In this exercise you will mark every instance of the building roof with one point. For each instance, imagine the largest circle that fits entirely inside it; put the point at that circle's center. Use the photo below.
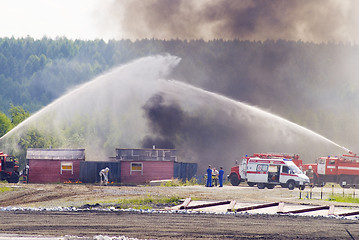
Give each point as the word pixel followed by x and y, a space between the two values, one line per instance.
pixel 145 154
pixel 55 154
pixel 165 149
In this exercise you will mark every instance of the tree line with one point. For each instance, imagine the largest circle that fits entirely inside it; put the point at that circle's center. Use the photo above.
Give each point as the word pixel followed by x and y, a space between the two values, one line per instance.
pixel 17 115
pixel 311 84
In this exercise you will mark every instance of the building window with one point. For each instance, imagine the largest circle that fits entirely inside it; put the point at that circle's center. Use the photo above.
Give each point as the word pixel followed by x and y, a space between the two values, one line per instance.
pixel 262 168
pixel 136 167
pixel 66 167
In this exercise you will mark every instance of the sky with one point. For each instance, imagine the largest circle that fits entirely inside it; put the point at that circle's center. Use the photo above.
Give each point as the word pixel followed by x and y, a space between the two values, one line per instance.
pixel 305 20
pixel 74 19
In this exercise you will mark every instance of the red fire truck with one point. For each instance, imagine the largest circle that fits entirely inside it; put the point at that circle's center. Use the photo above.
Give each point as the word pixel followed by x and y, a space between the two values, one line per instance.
pixel 343 170
pixel 8 168
pixel 268 170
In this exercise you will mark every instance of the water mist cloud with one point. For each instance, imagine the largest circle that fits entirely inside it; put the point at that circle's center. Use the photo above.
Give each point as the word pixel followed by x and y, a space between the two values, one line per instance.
pixel 102 114
pixel 306 20
pixel 208 128
pixel 137 105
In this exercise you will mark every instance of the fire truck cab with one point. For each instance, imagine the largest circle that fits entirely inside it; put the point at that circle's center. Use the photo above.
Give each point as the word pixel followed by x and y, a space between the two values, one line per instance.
pixel 343 170
pixel 269 170
pixel 8 168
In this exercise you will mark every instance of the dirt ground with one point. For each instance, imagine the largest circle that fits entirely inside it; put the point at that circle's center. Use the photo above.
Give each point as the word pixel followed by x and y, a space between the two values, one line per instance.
pixel 165 225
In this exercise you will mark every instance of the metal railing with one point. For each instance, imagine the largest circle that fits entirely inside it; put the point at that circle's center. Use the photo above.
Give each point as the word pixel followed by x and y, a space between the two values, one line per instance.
pixel 325 193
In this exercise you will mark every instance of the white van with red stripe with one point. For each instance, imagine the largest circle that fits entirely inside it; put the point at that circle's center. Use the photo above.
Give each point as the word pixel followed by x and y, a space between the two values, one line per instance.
pixel 269 172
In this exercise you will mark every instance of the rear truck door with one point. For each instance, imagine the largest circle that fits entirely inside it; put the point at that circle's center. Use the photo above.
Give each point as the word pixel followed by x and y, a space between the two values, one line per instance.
pixel 321 166
pixel 261 175
pixel 332 166
pixel 1 163
pixel 243 169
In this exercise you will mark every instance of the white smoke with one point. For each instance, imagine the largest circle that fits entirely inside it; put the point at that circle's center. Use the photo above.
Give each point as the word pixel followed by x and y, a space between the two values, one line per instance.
pixel 116 110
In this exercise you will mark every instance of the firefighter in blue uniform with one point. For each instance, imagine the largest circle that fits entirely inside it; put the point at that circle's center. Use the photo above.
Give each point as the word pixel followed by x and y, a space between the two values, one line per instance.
pixel 209 177
pixel 220 176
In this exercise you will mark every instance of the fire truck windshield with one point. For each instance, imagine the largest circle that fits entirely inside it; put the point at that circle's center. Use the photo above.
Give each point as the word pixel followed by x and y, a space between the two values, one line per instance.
pixel 295 169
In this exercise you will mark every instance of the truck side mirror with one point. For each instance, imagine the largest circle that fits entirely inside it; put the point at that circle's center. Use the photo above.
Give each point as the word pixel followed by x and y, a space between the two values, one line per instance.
pixel 236 162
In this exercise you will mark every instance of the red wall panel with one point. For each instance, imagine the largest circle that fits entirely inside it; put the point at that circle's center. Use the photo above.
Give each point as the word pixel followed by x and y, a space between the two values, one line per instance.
pixel 49 171
pixel 152 170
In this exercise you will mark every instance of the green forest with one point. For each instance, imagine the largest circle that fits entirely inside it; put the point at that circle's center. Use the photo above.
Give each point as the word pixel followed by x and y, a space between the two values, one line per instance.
pixel 314 85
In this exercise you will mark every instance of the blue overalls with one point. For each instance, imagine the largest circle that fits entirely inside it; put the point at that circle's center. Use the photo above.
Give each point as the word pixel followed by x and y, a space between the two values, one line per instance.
pixel 220 176
pixel 209 177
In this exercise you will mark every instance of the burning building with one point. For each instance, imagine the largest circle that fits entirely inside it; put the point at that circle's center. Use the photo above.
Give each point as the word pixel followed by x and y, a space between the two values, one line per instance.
pixel 144 165
pixel 130 166
pixel 54 165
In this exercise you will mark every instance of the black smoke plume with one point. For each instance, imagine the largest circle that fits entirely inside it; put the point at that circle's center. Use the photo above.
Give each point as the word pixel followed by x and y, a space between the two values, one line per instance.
pixel 165 122
pixel 199 137
pixel 307 20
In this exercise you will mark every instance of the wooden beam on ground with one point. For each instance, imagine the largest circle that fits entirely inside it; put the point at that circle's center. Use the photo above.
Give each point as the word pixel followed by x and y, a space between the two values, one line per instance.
pixel 311 209
pixel 208 205
pixel 348 214
pixel 257 206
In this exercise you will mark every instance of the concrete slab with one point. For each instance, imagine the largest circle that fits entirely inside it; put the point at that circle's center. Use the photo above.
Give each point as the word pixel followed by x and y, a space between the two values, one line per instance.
pixel 286 207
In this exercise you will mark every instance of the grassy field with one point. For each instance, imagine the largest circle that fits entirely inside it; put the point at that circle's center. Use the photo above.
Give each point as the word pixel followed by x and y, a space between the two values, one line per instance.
pixel 341 198
pixel 5 188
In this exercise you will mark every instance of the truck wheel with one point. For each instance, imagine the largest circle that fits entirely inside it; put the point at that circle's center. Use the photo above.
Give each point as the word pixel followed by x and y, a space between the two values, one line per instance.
pixel 290 184
pixel 3 176
pixel 344 182
pixel 270 186
pixel 322 183
pixel 14 178
pixel 234 179
pixel 315 181
pixel 356 182
pixel 261 185
pixel 251 184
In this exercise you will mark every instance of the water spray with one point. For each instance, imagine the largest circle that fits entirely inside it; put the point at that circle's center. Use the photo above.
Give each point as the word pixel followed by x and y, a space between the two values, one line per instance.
pixel 108 111
pixel 347 150
pixel 256 109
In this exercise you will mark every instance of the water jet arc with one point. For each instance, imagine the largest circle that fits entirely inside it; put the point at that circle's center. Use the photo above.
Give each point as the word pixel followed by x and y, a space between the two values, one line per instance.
pixel 139 81
pixel 257 110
